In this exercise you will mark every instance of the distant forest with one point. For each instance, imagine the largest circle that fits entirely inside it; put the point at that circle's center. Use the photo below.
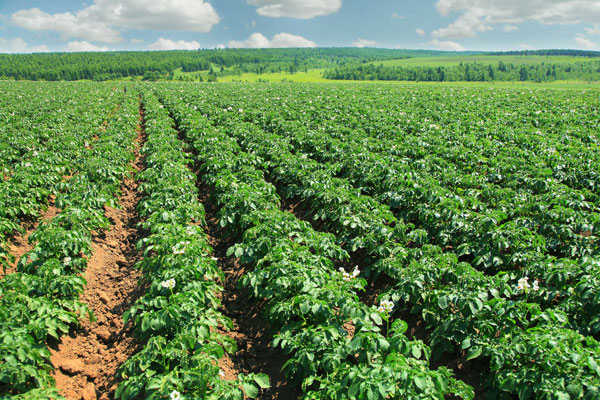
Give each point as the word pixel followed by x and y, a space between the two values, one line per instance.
pixel 155 64
pixel 471 72
pixel 340 63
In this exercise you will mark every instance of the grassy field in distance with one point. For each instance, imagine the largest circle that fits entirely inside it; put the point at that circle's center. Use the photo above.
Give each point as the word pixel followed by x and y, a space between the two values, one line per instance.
pixel 315 75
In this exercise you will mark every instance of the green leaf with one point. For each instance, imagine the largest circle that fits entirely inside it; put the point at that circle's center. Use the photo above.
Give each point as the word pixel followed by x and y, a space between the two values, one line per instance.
pixel 250 390
pixel 593 365
pixel 262 380
pixel 473 352
pixel 304 308
pixel 376 318
pixel 525 392
pixel 416 351
pixel 442 302
pixel 420 382
pixel 465 344
pixel 575 390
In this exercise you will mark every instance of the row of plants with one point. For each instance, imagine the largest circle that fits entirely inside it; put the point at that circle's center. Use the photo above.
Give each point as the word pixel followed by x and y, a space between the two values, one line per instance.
pixel 338 347
pixel 475 291
pixel 569 282
pixel 178 318
pixel 40 302
pixel 499 218
pixel 40 141
pixel 504 133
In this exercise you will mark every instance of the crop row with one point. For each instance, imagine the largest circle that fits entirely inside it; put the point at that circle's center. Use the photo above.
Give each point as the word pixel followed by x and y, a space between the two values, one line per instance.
pixel 514 329
pixel 574 292
pixel 41 300
pixel 178 318
pixel 569 282
pixel 500 226
pixel 504 134
pixel 39 147
pixel 335 344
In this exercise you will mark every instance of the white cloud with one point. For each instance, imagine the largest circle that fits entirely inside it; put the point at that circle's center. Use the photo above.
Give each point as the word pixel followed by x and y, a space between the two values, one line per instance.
pixel 137 41
pixel 257 40
pixel 84 46
pixel 289 40
pixel 364 43
pixel 585 42
pixel 447 45
pixel 420 32
pixel 525 46
pixel 67 24
pixel 104 19
pixel 467 25
pixel 478 15
pixel 220 46
pixel 397 16
pixel 300 9
pixel 510 28
pixel 18 45
pixel 168 44
pixel 593 31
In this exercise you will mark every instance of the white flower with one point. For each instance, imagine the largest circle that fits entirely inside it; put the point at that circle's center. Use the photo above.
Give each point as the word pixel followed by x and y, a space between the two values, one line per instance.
pixel 179 248
pixel 536 285
pixel 175 395
pixel 214 258
pixel 27 164
pixel 168 284
pixel 66 260
pixel 221 373
pixel 190 230
pixel 386 305
pixel 346 276
pixel 523 284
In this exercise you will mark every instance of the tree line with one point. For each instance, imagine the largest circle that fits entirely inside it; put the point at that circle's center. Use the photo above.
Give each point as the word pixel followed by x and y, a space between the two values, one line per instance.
pixel 100 66
pixel 470 72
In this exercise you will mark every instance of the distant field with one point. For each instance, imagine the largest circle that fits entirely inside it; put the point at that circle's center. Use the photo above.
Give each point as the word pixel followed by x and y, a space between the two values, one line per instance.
pixel 456 60
pixel 313 75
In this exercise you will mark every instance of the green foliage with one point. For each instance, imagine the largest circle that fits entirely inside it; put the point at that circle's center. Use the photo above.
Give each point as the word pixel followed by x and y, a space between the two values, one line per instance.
pixel 41 300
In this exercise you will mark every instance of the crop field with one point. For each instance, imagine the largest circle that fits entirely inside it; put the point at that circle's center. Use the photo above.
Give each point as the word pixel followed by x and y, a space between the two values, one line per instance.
pixel 299 241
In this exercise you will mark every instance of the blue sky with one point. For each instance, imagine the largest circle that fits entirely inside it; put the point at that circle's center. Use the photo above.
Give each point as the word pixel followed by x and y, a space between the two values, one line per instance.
pixel 67 25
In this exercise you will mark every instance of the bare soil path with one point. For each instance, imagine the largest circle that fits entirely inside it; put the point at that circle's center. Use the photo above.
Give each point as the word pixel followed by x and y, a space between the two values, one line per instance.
pixel 251 332
pixel 86 362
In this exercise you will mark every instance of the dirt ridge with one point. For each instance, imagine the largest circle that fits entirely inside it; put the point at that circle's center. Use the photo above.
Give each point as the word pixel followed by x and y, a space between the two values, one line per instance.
pixel 251 332
pixel 87 360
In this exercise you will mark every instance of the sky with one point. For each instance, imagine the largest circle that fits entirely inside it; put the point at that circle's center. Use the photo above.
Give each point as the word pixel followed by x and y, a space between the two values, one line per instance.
pixel 489 25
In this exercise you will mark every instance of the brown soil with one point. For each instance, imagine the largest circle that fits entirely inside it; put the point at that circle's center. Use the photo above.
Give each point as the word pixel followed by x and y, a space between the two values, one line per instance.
pixel 251 332
pixel 19 244
pixel 86 361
